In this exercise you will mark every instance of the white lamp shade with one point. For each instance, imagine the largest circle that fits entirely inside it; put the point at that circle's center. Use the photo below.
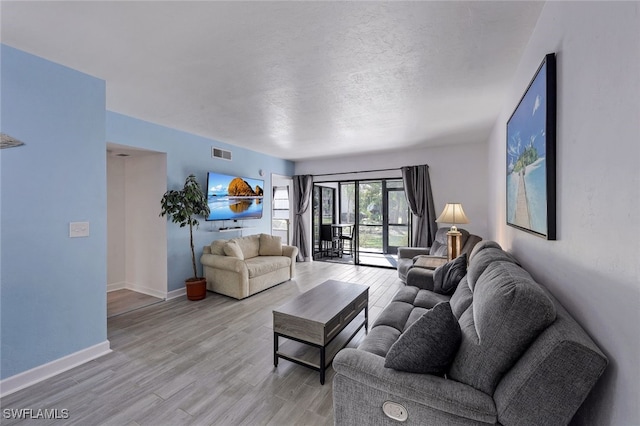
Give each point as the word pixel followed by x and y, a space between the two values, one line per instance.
pixel 453 214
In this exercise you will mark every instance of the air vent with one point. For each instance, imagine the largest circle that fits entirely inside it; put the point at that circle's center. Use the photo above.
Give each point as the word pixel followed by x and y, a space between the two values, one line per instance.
pixel 220 153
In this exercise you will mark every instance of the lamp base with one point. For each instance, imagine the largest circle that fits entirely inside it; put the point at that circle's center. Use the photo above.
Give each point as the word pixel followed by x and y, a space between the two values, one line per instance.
pixel 454 239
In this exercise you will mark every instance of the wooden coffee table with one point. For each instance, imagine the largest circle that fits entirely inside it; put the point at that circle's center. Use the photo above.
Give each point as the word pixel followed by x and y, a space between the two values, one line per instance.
pixel 320 322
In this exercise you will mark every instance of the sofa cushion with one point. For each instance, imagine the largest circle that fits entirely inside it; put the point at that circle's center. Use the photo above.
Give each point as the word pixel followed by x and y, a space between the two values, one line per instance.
pixel 508 312
pixel 217 247
pixel 270 245
pixel 484 258
pixel 249 245
pixel 461 298
pixel 428 345
pixel 232 249
pixel 447 276
pixel 428 299
pixel 406 294
pixel 394 315
pixel 379 340
pixel 481 245
pixel 414 316
pixel 262 265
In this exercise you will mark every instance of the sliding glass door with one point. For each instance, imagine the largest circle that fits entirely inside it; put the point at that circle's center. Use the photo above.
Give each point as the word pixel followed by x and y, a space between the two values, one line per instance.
pixel 378 211
pixel 370 225
pixel 324 199
pixel 383 213
pixel 396 216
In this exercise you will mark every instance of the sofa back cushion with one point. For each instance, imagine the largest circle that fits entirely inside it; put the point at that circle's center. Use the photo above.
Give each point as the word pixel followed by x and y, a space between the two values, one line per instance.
pixel 270 245
pixel 462 298
pixel 249 245
pixel 232 249
pixel 217 247
pixel 557 372
pixel 484 258
pixel 509 310
pixel 481 245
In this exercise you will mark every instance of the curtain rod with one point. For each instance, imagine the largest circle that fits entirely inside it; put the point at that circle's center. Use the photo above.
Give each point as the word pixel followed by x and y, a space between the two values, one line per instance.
pixel 361 171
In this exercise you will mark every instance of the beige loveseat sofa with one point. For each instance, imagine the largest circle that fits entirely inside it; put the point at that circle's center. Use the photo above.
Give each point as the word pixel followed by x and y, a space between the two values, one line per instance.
pixel 244 266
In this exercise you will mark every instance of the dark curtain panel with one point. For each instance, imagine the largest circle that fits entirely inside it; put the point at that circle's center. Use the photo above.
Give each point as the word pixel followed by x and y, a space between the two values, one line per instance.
pixel 302 187
pixel 417 187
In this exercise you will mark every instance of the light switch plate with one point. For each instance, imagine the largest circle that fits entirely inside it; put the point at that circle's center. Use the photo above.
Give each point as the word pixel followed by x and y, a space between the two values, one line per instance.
pixel 78 229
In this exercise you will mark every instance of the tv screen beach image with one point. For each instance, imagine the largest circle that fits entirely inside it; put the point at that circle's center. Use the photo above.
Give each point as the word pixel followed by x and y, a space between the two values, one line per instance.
pixel 234 197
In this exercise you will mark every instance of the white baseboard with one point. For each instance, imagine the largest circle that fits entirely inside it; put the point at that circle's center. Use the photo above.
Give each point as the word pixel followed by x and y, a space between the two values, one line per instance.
pixel 116 286
pixel 31 377
pixel 137 288
pixel 147 291
pixel 177 293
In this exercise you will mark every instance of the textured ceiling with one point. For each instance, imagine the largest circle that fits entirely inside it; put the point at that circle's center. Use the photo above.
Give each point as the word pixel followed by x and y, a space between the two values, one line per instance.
pixel 296 80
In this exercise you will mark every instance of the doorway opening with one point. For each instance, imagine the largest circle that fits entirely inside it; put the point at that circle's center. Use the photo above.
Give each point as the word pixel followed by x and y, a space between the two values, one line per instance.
pixel 136 234
pixel 369 220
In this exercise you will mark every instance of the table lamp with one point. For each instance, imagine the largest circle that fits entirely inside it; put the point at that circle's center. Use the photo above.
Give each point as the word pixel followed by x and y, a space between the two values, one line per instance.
pixel 453 214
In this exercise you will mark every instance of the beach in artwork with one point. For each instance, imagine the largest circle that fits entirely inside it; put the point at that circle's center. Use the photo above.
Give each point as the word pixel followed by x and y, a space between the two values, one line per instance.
pixel 526 197
pixel 526 160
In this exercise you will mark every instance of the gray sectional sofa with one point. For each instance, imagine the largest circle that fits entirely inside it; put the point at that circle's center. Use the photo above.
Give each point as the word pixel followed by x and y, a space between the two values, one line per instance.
pixel 521 358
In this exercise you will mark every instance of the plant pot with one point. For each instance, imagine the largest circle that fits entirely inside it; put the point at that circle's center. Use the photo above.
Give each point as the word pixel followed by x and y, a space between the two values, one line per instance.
pixel 196 288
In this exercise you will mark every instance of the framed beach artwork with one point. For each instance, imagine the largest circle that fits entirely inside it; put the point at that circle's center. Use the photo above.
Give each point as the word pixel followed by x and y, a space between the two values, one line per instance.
pixel 531 163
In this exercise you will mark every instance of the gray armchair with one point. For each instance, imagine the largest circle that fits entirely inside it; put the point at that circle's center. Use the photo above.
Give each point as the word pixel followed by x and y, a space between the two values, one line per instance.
pixel 431 257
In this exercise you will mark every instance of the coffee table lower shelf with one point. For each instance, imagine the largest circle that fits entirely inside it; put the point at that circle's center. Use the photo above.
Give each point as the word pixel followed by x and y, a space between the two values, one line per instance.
pixel 311 355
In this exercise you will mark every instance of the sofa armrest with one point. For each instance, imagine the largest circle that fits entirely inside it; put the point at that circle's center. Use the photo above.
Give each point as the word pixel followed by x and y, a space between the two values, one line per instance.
pixel 290 251
pixel 429 262
pixel 411 252
pixel 421 278
pixel 426 390
pixel 223 262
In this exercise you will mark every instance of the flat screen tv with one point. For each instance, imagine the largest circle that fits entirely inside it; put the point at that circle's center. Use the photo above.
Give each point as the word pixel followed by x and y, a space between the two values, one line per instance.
pixel 234 197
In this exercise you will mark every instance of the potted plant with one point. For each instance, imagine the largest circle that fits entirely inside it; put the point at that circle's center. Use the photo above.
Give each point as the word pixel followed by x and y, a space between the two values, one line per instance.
pixel 182 206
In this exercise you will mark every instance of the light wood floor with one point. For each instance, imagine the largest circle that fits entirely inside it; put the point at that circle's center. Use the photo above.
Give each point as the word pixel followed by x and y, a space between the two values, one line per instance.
pixel 208 362
pixel 122 301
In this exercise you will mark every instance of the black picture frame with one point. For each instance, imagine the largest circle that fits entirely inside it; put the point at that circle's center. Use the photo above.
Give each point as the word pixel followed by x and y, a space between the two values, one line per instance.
pixel 531 156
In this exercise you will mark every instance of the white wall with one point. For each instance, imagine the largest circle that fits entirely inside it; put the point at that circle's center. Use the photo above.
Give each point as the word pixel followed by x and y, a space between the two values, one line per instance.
pixel 136 234
pixel 593 267
pixel 146 236
pixel 457 173
pixel 116 219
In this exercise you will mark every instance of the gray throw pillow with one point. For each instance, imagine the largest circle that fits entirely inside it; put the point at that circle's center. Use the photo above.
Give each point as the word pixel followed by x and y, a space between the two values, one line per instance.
pixel 429 345
pixel 447 277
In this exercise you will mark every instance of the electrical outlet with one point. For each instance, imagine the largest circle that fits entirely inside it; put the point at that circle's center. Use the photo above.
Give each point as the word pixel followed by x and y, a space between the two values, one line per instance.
pixel 395 411
pixel 78 229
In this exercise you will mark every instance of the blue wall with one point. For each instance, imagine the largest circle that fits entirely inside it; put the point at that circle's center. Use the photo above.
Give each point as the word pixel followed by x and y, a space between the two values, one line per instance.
pixel 191 154
pixel 53 288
